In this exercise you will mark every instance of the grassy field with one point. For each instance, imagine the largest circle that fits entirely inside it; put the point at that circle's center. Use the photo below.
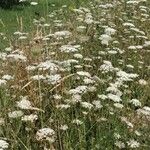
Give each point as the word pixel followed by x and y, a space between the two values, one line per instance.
pixel 75 77
pixel 21 17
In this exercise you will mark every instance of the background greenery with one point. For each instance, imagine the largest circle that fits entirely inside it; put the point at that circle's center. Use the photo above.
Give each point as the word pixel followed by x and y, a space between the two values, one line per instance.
pixel 10 19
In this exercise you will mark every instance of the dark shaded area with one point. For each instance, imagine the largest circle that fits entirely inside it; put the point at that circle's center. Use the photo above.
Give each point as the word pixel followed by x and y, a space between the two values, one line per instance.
pixel 8 4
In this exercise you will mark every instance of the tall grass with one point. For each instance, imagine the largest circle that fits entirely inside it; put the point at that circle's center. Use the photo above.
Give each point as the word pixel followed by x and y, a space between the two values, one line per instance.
pixel 76 78
pixel 12 19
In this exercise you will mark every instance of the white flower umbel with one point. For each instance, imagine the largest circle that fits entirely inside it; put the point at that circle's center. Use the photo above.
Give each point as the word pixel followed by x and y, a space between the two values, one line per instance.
pixel 22 38
pixel 113 89
pixel 77 122
pixel 89 18
pixel 129 124
pixel 30 118
pixel 78 56
pixel 123 76
pixel 17 57
pixel 143 82
pixel 145 111
pixel 114 98
pixel 25 104
pixel 15 114
pixel 79 90
pixel 64 127
pixel 106 6
pixel 22 0
pixel 105 39
pixel 84 73
pixel 110 31
pixel 38 77
pixel 3 145
pixel 107 67
pixel 57 97
pixel 76 98
pixel 97 104
pixel 2 121
pixel 8 49
pixel 53 79
pixel 47 134
pixel 120 144
pixel 2 82
pixel 69 48
pixel 86 105
pixel 62 34
pixel 3 56
pixel 146 44
pixel 81 29
pixel 102 96
pixel 62 106
pixel 31 68
pixel 128 24
pixel 136 102
pixel 33 3
pixel 133 144
pixel 48 65
pixel 118 105
pixel 87 81
pixel 7 77
pixel 135 47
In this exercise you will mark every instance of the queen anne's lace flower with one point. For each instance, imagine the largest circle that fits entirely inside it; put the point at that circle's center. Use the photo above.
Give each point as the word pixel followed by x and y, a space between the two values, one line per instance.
pixel 47 134
pixel 83 73
pixel 33 3
pixel 97 104
pixel 77 122
pixel 105 39
pixel 64 127
pixel 2 121
pixel 69 48
pixel 110 31
pixel 17 57
pixel 114 97
pixel 48 65
pixel 144 111
pixel 62 34
pixel 2 82
pixel 15 114
pixel 120 144
pixel 107 66
pixel 86 105
pixel 133 144
pixel 31 118
pixel 24 103
pixel 126 76
pixel 118 105
pixel 3 145
pixel 142 82
pixel 135 102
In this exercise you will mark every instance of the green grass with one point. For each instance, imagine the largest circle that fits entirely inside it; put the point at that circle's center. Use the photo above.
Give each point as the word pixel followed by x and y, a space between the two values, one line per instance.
pixel 11 20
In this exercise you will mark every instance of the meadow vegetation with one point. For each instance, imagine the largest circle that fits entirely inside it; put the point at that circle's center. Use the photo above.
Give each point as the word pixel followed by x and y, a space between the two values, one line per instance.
pixel 75 76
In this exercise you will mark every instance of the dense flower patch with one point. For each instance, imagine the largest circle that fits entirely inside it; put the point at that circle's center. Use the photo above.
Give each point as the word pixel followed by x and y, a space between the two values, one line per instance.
pixel 80 80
